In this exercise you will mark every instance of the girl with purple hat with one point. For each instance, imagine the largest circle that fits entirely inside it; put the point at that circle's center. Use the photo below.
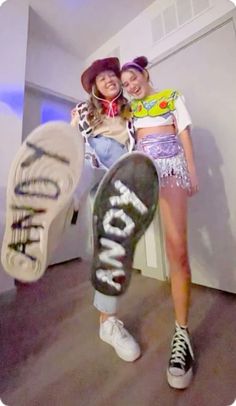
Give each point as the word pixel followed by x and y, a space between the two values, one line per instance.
pixel 162 124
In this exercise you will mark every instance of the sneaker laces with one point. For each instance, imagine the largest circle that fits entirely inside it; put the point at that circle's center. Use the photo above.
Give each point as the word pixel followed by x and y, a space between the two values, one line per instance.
pixel 179 344
pixel 118 326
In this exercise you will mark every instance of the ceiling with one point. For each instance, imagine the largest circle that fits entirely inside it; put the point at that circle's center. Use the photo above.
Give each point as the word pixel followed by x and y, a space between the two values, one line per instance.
pixel 81 26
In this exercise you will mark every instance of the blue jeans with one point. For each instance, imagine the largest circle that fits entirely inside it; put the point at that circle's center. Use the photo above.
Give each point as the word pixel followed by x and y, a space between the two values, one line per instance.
pixel 107 149
pixel 108 152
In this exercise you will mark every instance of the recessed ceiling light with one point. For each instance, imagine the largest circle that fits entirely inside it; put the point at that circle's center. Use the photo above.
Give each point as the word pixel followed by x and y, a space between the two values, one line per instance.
pixel 2 1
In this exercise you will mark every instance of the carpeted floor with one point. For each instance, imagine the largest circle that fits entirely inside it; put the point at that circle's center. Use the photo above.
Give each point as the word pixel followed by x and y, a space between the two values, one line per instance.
pixel 51 355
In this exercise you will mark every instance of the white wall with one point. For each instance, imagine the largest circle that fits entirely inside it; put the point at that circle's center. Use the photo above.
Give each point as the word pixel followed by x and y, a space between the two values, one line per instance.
pixel 50 67
pixel 136 38
pixel 13 45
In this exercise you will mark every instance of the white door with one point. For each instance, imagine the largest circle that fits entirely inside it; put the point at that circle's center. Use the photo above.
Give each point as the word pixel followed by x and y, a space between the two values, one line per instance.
pixel 205 71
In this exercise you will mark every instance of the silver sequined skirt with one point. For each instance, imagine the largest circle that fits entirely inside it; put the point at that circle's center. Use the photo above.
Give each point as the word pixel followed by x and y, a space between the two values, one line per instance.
pixel 168 155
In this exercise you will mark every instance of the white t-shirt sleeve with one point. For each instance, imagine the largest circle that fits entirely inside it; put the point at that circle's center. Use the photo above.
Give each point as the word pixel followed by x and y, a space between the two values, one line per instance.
pixel 182 116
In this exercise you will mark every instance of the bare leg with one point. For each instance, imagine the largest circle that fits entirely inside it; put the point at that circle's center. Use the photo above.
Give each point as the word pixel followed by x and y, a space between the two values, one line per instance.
pixel 173 207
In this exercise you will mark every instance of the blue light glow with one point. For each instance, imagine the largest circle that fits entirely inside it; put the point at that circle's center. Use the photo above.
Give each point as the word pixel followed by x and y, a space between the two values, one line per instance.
pixel 52 111
pixel 13 97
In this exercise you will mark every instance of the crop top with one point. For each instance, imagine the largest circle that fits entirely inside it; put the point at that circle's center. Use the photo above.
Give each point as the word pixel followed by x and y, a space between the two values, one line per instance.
pixel 166 107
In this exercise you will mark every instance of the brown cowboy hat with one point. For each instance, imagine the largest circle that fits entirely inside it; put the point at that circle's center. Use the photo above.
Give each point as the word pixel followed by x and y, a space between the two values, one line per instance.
pixel 98 66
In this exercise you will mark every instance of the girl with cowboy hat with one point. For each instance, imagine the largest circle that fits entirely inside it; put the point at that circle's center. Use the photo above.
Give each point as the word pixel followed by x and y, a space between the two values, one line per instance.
pixel 104 121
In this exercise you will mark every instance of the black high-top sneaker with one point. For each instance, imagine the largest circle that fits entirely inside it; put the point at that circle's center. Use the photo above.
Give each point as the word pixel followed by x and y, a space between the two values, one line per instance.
pixel 125 204
pixel 180 368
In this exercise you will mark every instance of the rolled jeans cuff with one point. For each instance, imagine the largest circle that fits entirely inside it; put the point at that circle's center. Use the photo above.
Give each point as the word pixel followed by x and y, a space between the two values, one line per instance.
pixel 104 303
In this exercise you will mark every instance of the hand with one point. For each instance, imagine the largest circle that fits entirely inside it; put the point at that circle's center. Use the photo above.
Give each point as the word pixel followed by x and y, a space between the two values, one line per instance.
pixel 194 188
pixel 74 117
pixel 74 113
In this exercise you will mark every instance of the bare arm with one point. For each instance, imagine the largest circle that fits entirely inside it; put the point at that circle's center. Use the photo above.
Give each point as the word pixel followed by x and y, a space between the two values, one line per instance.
pixel 186 141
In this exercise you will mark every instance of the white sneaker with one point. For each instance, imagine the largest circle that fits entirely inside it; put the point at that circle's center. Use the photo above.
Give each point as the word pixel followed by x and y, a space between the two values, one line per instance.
pixel 113 332
pixel 41 184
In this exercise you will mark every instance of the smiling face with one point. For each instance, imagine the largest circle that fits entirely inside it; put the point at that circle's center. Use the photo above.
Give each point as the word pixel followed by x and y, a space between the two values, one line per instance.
pixel 108 84
pixel 136 83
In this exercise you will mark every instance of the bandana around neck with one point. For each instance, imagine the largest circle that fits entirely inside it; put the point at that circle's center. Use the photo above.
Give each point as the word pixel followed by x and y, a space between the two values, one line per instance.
pixel 110 108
